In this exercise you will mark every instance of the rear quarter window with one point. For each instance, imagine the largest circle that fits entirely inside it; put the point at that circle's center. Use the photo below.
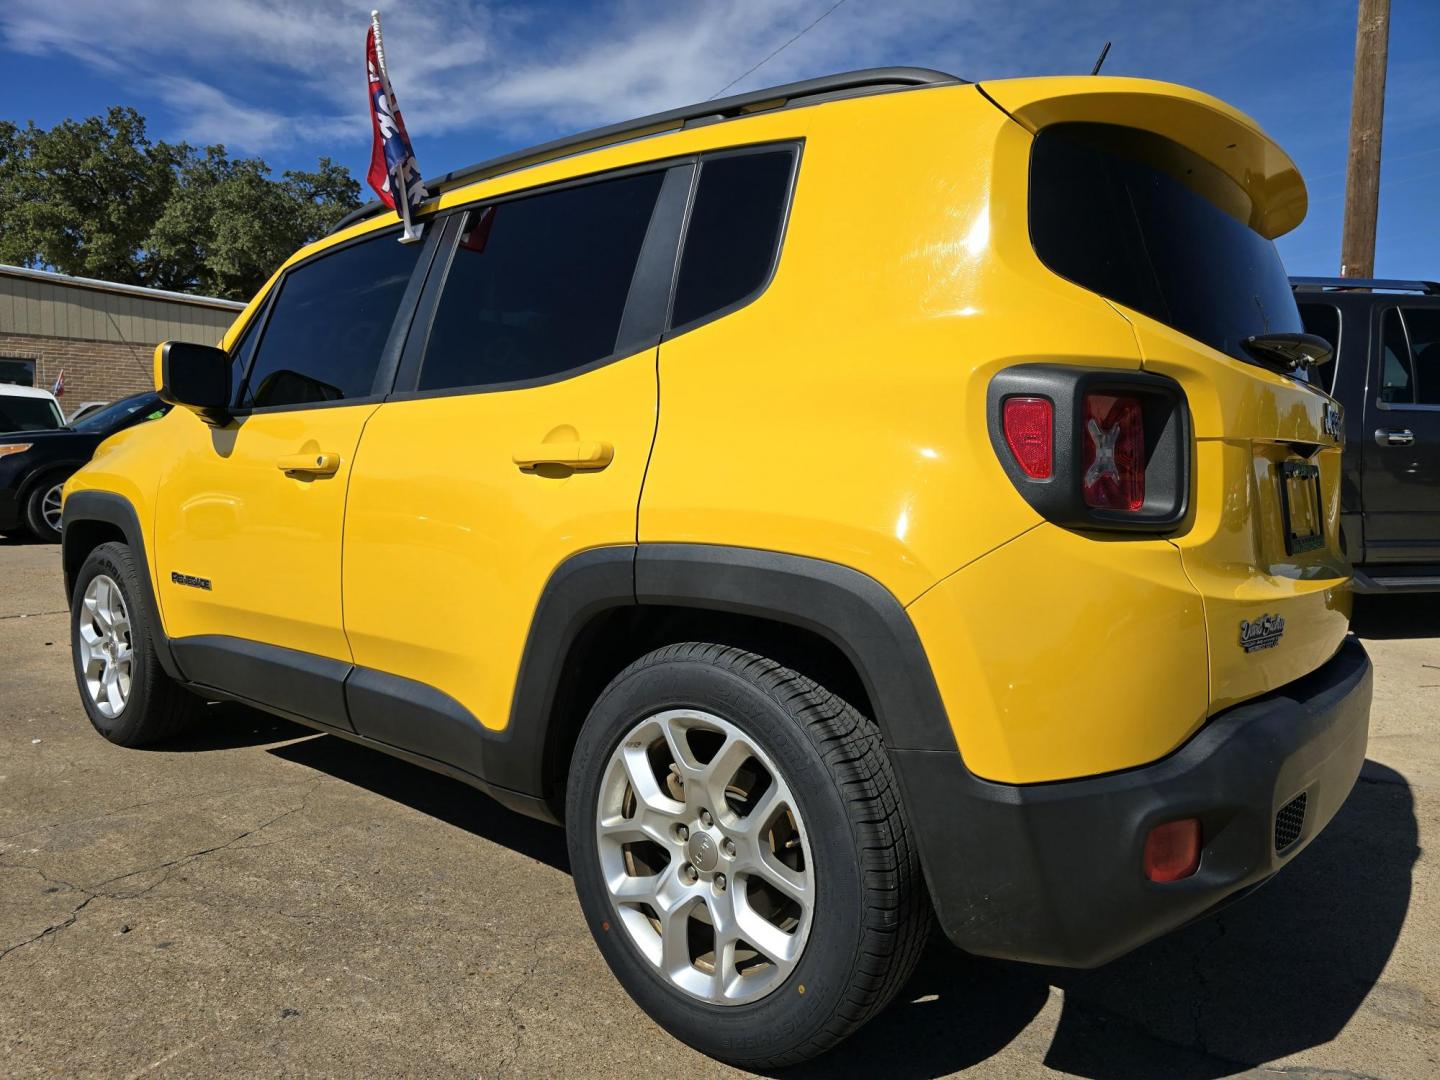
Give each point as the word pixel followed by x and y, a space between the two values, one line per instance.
pixel 1143 221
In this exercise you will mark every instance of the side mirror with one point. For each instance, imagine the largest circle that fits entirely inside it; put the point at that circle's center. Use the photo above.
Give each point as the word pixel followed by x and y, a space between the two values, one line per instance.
pixel 195 376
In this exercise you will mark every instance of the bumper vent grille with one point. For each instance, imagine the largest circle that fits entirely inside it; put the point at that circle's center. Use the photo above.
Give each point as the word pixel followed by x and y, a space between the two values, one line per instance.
pixel 1289 822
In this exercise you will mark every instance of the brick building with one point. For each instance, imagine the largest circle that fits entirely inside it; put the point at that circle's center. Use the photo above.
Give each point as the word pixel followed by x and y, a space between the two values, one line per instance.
pixel 102 335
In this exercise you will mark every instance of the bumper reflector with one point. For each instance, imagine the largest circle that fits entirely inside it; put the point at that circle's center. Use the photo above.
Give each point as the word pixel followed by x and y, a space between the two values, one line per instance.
pixel 1172 850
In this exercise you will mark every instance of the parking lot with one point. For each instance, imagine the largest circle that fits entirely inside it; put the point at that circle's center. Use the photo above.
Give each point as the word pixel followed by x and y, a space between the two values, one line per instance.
pixel 263 900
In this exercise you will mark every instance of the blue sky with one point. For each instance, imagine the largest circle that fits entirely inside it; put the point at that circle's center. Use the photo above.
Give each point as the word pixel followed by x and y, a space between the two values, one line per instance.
pixel 283 78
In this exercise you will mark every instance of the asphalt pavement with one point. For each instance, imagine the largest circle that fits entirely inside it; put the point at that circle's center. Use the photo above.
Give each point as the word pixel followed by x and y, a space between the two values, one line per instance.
pixel 260 900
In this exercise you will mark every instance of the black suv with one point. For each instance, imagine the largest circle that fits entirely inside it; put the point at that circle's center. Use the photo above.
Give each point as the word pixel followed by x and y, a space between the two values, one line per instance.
pixel 34 465
pixel 1386 372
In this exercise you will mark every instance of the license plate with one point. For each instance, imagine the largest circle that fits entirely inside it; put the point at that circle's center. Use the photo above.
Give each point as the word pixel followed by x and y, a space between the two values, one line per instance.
pixel 1300 506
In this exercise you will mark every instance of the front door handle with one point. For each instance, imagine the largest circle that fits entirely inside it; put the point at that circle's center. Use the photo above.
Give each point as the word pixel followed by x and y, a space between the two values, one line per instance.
pixel 580 456
pixel 311 464
pixel 1386 437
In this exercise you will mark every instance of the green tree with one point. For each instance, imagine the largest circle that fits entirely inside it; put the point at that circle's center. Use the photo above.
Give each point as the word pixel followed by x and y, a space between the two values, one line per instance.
pixel 96 197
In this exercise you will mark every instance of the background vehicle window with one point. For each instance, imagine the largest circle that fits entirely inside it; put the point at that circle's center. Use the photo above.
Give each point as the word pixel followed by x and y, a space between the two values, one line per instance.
pixel 538 285
pixel 329 325
pixel 733 233
pixel 1141 220
pixel 1396 384
pixel 28 414
pixel 118 414
pixel 1423 325
pixel 1323 320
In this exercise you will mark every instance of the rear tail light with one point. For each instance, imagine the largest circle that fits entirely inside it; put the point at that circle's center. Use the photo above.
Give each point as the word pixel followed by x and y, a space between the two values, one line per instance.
pixel 1113 452
pixel 1093 448
pixel 1172 850
pixel 1030 433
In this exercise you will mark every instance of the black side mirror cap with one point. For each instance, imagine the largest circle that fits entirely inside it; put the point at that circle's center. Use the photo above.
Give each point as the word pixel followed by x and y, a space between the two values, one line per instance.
pixel 196 377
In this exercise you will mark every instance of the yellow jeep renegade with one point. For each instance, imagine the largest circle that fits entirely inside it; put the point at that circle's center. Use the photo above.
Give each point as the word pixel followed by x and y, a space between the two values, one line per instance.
pixel 871 495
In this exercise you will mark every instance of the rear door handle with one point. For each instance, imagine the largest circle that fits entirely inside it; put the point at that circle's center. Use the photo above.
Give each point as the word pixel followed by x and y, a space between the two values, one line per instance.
pixel 580 456
pixel 313 464
pixel 1386 437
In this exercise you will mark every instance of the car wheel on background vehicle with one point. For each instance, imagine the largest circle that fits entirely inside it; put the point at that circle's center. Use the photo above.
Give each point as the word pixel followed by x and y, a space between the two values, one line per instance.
pixel 741 855
pixel 126 693
pixel 42 508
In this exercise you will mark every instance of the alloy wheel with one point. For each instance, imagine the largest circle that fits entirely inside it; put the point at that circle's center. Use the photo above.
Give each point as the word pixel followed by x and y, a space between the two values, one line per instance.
pixel 50 507
pixel 705 856
pixel 106 657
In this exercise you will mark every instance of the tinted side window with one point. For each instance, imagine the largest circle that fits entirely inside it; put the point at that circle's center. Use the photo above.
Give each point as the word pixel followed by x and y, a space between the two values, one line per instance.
pixel 241 355
pixel 1396 383
pixel 734 231
pixel 538 285
pixel 1323 320
pixel 329 324
pixel 1121 212
pixel 1423 325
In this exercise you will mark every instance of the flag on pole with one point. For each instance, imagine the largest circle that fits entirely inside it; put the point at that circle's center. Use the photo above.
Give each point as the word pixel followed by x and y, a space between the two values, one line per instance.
pixel 393 171
pixel 59 387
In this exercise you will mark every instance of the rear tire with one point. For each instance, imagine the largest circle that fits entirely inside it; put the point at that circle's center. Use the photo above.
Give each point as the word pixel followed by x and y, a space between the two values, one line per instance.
pixel 813 772
pixel 126 693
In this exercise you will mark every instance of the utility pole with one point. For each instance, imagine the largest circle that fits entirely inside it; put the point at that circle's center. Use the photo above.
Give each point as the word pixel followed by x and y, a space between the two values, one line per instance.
pixel 1367 117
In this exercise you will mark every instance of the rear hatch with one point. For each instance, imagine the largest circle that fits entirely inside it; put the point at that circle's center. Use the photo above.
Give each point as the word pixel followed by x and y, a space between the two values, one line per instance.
pixel 1166 202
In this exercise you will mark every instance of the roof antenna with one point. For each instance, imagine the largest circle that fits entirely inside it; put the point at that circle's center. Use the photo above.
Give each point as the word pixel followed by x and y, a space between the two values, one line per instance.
pixel 1103 53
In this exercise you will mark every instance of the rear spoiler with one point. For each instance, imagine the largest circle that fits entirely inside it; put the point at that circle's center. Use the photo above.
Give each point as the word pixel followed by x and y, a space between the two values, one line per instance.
pixel 1222 135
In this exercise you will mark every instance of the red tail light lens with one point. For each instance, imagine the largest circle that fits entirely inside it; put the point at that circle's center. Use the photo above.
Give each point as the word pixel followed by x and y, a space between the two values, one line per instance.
pixel 1029 424
pixel 1172 850
pixel 1113 454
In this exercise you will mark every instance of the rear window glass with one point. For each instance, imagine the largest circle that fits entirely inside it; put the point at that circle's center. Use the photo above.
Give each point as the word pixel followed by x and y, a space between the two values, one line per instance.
pixel 1410 356
pixel 1323 320
pixel 28 414
pixel 538 285
pixel 734 231
pixel 1120 211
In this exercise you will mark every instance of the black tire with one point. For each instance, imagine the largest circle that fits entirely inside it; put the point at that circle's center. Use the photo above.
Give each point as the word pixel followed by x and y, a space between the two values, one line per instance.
pixel 35 508
pixel 868 933
pixel 156 708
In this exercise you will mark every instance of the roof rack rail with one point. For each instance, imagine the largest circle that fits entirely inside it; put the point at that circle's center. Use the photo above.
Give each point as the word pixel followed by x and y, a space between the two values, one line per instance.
pixel 807 92
pixel 1430 288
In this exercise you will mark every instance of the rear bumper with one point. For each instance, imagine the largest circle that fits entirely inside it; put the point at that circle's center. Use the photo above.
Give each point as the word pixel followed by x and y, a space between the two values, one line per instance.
pixel 1051 873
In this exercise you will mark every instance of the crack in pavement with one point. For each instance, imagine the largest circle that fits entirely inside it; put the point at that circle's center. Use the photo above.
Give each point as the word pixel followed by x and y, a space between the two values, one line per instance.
pixel 197 795
pixel 508 1058
pixel 32 614
pixel 97 890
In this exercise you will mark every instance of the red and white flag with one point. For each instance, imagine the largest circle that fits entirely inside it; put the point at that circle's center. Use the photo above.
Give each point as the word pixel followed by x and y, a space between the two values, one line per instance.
pixel 392 158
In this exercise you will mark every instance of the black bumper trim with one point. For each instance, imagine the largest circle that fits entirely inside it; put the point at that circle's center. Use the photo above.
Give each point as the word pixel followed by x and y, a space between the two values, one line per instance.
pixel 1051 873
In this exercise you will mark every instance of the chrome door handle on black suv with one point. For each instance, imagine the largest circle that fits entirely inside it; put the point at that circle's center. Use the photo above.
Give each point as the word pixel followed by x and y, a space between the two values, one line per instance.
pixel 1386 437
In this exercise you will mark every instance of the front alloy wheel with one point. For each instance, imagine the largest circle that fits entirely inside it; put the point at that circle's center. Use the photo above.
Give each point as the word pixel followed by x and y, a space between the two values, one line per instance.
pixel 705 857
pixel 103 643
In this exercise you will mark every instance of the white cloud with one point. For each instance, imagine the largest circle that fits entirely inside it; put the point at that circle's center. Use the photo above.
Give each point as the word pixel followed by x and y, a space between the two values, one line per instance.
pixel 265 74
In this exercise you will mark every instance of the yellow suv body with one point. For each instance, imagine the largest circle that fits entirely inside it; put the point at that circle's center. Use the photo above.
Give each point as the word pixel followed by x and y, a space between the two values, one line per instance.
pixel 936 394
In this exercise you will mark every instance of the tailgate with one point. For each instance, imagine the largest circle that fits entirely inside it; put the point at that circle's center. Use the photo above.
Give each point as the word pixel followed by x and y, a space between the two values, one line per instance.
pixel 1264 548
pixel 1166 202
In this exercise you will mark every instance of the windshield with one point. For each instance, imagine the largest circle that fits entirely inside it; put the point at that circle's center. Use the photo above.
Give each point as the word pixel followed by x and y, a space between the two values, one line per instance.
pixel 28 414
pixel 113 416
pixel 1143 221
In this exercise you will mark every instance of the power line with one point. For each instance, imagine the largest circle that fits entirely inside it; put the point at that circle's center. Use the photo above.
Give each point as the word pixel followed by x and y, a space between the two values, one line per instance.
pixel 777 52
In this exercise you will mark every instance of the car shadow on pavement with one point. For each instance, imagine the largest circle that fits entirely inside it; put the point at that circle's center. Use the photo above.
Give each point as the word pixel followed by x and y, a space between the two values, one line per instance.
pixel 1279 972
pixel 431 793
pixel 1406 616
